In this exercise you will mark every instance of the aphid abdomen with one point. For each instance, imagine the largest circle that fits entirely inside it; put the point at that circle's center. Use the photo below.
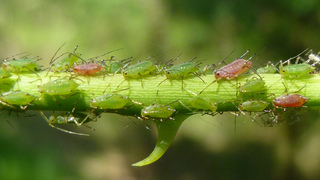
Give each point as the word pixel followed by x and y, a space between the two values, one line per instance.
pixel 87 69
pixel 293 100
pixel 253 105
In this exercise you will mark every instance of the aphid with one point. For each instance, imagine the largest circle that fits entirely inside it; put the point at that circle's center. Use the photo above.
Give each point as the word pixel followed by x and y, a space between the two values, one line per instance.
pixel 66 63
pixel 115 67
pixel 87 69
pixel 292 100
pixel 253 105
pixel 157 111
pixel 69 117
pixel 232 70
pixel 4 73
pixel 138 70
pixel 181 71
pixel 18 98
pixel 21 65
pixel 62 86
pixel 269 69
pixel 111 102
pixel 295 70
pixel 201 104
pixel 253 86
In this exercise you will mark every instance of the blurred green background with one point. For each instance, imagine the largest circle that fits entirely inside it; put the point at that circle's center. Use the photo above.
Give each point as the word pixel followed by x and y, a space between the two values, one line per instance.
pixel 206 147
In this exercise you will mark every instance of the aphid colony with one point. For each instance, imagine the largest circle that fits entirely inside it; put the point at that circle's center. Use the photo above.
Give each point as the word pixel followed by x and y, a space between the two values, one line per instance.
pixel 252 95
pixel 250 98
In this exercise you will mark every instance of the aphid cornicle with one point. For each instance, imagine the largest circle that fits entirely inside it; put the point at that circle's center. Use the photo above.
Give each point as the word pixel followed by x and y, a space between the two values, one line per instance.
pixel 18 98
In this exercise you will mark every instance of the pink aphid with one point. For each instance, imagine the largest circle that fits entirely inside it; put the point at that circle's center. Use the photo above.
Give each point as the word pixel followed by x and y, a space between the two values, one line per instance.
pixel 292 100
pixel 232 70
pixel 87 69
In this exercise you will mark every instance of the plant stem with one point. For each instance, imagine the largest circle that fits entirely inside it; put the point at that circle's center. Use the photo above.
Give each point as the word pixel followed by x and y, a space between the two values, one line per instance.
pixel 145 90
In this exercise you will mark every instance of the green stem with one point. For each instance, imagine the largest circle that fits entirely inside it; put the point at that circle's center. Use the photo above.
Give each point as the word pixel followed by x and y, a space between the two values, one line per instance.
pixel 222 92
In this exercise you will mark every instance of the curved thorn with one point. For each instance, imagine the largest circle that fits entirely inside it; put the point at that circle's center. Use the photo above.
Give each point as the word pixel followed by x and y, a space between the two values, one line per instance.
pixel 166 132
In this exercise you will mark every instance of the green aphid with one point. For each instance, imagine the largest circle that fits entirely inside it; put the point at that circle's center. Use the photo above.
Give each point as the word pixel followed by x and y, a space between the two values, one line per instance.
pixel 111 102
pixel 67 117
pixel 295 70
pixel 18 98
pixel 21 65
pixel 63 86
pixel 66 63
pixel 181 71
pixel 138 70
pixel 202 104
pixel 158 112
pixel 253 105
pixel 115 67
pixel 253 86
pixel 269 69
pixel 4 73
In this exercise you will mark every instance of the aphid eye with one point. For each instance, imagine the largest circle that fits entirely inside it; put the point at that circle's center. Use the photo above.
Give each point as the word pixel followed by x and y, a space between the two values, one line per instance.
pixel 168 72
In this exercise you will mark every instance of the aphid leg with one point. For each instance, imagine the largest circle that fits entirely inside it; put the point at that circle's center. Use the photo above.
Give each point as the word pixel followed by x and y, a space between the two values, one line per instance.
pixel 245 54
pixel 6 104
pixel 207 86
pixel 63 130
pixel 163 81
pixel 121 83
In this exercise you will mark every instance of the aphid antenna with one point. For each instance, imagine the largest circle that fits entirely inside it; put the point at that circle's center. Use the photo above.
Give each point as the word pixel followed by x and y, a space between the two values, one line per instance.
pixel 51 60
pixel 106 53
pixel 169 63
pixel 12 57
pixel 295 57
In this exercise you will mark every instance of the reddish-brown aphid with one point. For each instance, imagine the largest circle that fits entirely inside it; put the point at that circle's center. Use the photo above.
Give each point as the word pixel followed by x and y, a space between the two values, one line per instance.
pixel 292 100
pixel 87 69
pixel 232 70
